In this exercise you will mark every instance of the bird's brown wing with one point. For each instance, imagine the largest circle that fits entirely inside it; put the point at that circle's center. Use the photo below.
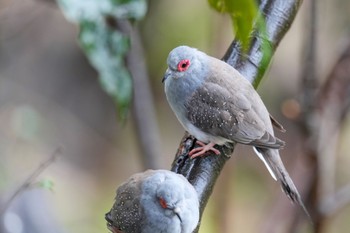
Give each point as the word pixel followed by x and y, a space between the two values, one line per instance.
pixel 219 111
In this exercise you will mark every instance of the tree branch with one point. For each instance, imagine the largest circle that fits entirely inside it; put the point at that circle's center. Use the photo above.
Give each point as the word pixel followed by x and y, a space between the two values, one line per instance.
pixel 203 172
pixel 143 104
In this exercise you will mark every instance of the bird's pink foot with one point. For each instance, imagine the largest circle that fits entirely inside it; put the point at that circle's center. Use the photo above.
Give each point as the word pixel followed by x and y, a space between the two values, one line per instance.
pixel 200 151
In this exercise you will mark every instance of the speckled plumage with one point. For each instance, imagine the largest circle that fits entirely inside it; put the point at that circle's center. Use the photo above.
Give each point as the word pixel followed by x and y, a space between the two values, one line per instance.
pixel 217 105
pixel 137 208
pixel 213 97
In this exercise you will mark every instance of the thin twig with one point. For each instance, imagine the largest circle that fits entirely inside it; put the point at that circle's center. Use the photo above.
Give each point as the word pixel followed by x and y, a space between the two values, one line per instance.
pixel 30 179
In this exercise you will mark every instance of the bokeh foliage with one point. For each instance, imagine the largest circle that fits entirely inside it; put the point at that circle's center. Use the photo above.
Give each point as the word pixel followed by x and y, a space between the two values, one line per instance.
pixel 243 13
pixel 246 20
pixel 104 44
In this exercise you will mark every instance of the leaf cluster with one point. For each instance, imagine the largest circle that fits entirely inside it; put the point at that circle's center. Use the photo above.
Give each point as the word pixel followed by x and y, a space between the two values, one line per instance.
pixel 104 44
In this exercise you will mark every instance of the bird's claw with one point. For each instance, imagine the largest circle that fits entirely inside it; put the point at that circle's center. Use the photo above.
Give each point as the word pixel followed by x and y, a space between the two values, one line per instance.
pixel 200 151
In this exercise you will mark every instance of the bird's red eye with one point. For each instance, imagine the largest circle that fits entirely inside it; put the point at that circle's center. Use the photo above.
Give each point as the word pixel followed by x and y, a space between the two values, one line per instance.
pixel 183 65
pixel 162 203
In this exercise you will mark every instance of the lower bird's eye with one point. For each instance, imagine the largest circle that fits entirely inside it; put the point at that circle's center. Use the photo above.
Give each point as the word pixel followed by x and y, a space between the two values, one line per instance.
pixel 183 65
pixel 163 203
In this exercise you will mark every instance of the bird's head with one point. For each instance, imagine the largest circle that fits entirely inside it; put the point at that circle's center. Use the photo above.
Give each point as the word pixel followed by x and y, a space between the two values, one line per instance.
pixel 184 63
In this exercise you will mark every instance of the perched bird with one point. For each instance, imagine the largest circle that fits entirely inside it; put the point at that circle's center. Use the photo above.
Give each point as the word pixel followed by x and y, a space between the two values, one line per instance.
pixel 154 201
pixel 217 105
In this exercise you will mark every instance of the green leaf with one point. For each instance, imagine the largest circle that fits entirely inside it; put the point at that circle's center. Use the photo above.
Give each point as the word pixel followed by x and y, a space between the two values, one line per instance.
pixel 104 45
pixel 266 49
pixel 246 18
pixel 243 13
pixel 218 5
pixel 46 184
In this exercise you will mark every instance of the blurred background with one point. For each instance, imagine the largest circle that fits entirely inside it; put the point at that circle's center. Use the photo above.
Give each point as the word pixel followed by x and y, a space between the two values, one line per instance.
pixel 50 97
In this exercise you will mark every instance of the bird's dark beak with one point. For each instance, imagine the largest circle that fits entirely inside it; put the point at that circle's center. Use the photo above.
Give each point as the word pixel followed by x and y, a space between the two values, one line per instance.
pixel 166 75
pixel 178 215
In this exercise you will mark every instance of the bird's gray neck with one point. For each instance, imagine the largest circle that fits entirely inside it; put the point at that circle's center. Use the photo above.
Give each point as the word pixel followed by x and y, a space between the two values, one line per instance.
pixel 180 90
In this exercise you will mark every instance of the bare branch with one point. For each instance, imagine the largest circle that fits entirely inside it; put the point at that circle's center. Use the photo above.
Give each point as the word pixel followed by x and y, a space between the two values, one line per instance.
pixel 309 82
pixel 143 104
pixel 333 104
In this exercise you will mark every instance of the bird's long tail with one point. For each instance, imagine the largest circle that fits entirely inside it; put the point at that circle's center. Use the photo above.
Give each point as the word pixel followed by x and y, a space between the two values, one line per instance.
pixel 273 162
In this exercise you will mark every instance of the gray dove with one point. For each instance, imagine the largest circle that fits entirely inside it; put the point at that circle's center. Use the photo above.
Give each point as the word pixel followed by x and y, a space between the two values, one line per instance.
pixel 154 201
pixel 218 106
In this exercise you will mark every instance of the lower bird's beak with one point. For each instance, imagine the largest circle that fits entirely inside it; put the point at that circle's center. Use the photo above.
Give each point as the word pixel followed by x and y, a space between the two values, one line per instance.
pixel 166 75
pixel 178 215
pixel 177 211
